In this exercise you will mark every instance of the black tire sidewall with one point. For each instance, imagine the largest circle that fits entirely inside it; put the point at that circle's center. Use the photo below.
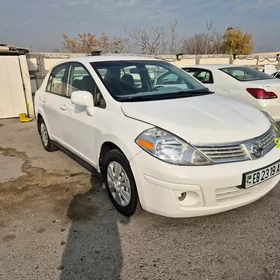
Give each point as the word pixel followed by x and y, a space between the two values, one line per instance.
pixel 116 155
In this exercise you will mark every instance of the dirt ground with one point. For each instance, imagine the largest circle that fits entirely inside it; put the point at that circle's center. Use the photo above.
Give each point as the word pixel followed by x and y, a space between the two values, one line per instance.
pixel 56 222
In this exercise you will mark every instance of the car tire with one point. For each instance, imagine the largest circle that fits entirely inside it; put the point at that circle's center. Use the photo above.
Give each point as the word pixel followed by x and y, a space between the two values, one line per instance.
pixel 120 183
pixel 44 135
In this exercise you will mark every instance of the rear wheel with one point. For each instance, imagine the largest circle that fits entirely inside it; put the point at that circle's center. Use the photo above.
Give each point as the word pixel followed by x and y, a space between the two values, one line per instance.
pixel 45 139
pixel 120 183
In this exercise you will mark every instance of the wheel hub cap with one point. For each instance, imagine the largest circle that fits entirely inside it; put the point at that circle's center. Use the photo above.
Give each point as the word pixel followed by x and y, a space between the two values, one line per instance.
pixel 44 134
pixel 119 184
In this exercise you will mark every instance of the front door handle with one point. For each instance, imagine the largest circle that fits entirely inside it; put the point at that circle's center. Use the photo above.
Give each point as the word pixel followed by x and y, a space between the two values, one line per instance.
pixel 63 107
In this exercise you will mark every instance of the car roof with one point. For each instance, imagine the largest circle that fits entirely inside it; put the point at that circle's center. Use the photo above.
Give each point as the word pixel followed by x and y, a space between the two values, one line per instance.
pixel 211 66
pixel 100 58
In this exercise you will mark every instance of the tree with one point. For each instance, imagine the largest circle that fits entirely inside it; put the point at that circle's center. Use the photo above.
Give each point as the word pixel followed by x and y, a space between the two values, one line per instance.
pixel 88 42
pixel 173 48
pixel 157 40
pixel 194 44
pixel 204 43
pixel 218 43
pixel 151 41
pixel 237 41
pixel 209 26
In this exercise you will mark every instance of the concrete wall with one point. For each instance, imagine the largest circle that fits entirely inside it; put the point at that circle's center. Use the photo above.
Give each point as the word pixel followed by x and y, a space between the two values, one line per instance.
pixel 49 59
pixel 44 61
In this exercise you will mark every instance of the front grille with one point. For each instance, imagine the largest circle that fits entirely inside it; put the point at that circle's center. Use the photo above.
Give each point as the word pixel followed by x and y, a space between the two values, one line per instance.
pixel 237 151
pixel 224 153
pixel 267 140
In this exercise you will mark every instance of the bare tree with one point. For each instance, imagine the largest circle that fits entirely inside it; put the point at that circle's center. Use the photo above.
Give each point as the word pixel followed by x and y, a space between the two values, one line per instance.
pixel 194 44
pixel 173 42
pixel 209 26
pixel 151 41
pixel 218 43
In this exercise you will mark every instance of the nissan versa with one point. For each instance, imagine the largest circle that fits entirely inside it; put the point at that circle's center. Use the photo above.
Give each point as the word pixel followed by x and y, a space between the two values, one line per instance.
pixel 177 148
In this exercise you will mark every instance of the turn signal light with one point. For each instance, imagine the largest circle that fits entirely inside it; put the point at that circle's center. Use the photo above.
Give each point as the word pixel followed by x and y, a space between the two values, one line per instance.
pixel 260 93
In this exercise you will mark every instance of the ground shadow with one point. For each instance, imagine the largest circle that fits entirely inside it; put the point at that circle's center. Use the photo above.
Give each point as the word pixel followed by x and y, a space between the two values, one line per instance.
pixel 93 249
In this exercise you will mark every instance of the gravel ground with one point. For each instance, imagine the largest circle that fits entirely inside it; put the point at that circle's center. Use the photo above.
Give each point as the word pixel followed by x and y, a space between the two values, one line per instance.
pixel 56 222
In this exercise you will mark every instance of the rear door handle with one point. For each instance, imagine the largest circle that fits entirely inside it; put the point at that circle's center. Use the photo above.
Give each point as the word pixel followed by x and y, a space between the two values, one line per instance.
pixel 44 99
pixel 63 107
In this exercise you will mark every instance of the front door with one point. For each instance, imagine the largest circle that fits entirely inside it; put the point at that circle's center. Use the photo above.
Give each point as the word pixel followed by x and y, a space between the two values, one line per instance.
pixel 79 127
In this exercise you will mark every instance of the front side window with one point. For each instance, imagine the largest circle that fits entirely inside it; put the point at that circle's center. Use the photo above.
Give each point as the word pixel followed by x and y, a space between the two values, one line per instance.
pixel 244 74
pixel 141 80
pixel 80 79
pixel 130 74
pixel 56 83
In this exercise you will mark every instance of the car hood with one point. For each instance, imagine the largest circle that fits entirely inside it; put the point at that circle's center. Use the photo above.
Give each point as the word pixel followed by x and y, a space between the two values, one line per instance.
pixel 201 119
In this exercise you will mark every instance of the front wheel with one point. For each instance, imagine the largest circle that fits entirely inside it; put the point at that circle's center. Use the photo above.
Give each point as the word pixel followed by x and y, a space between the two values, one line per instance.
pixel 46 141
pixel 120 183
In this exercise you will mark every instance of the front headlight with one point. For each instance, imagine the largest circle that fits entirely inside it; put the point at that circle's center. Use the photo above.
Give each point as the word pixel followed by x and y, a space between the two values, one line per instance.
pixel 170 148
pixel 273 122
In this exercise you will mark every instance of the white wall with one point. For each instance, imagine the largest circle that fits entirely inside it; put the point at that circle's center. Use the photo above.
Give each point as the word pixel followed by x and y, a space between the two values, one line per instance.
pixel 12 96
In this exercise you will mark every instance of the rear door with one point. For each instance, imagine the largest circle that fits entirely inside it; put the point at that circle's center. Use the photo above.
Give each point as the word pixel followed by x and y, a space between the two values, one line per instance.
pixel 53 99
pixel 79 126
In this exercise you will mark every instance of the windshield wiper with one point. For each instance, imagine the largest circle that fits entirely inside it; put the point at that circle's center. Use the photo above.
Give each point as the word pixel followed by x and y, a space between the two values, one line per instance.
pixel 179 94
pixel 138 98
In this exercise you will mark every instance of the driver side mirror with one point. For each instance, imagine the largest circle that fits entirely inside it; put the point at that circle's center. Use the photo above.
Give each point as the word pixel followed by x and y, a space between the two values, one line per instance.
pixel 82 98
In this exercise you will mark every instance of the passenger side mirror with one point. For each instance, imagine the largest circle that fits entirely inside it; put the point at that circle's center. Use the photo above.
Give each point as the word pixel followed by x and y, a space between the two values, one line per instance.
pixel 82 98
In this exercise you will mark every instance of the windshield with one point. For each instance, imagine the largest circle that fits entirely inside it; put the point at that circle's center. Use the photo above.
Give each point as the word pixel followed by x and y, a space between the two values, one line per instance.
pixel 142 80
pixel 245 74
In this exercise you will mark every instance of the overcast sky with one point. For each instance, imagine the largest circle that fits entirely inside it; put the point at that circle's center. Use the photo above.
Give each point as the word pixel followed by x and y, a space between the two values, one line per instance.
pixel 40 23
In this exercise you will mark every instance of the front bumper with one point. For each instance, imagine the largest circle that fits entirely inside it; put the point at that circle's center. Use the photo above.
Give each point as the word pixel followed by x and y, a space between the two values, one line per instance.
pixel 209 189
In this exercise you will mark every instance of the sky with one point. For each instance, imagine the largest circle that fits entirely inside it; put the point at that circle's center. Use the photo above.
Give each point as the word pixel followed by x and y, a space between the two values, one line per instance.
pixel 40 23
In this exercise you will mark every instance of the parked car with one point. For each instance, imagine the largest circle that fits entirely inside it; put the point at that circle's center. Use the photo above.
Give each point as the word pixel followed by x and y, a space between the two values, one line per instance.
pixel 180 151
pixel 245 84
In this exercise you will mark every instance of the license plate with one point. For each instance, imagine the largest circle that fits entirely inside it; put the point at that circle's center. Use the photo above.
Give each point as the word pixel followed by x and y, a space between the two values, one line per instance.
pixel 263 174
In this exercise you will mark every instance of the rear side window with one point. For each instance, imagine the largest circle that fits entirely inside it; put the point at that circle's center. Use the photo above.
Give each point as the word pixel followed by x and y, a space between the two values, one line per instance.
pixel 244 74
pixel 203 75
pixel 56 83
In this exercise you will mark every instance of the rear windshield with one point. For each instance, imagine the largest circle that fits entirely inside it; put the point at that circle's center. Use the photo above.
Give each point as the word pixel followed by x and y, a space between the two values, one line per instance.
pixel 244 74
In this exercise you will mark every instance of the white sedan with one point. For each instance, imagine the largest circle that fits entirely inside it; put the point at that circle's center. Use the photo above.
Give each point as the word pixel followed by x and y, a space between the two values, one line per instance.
pixel 179 151
pixel 243 83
